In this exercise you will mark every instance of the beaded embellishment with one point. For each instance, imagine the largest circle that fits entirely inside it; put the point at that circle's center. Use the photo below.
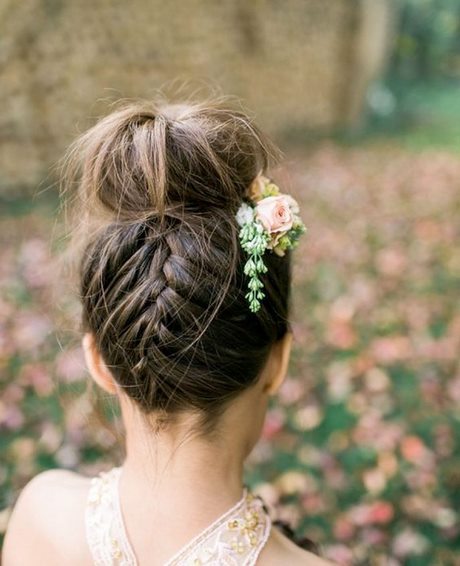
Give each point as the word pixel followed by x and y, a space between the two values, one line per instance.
pixel 105 531
pixel 236 538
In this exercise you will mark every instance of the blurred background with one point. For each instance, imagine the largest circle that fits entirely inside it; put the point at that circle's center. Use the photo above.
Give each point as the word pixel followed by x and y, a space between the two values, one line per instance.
pixel 361 450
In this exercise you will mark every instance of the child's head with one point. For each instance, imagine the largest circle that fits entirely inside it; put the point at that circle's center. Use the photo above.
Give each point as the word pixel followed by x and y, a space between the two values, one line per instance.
pixel 162 282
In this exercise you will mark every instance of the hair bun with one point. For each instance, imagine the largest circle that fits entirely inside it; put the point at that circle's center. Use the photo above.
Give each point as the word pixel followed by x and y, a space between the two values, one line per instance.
pixel 145 158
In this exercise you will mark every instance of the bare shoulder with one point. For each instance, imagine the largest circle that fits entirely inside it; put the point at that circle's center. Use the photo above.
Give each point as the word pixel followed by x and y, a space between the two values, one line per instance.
pixel 280 550
pixel 46 522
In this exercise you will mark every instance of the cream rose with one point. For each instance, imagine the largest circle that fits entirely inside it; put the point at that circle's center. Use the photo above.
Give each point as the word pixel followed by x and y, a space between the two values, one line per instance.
pixel 275 214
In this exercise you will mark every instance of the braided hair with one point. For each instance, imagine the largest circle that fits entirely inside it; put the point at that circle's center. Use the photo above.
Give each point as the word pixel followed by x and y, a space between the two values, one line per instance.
pixel 161 270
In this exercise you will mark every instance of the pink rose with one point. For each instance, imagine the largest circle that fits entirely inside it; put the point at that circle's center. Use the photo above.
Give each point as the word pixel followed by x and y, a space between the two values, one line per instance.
pixel 275 214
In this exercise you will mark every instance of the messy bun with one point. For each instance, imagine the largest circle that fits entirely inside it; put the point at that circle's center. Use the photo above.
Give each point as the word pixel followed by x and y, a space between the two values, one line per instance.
pixel 162 282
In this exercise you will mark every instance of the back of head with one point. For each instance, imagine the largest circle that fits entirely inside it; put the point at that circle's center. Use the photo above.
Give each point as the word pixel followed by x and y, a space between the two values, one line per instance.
pixel 162 281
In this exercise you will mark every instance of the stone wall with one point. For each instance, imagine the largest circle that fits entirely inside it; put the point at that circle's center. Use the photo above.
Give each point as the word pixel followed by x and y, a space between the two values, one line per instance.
pixel 64 62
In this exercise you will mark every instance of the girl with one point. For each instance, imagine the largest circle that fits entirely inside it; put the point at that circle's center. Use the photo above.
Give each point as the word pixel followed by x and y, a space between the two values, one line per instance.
pixel 185 282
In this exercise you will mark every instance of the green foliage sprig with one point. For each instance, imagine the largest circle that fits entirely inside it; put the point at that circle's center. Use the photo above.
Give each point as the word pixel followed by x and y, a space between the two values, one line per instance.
pixel 254 240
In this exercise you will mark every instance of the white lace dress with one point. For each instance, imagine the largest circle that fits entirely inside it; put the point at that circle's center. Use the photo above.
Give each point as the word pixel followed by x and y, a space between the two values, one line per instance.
pixel 236 538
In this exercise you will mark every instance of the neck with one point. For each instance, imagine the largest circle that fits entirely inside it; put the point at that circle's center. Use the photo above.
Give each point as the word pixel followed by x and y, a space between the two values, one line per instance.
pixel 182 482
pixel 175 470
pixel 170 467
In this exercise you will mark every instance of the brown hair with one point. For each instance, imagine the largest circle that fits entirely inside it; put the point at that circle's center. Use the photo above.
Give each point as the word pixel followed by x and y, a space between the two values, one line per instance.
pixel 161 272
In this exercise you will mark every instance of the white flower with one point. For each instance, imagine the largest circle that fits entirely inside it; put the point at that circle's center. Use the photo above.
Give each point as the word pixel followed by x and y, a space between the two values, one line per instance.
pixel 293 205
pixel 245 214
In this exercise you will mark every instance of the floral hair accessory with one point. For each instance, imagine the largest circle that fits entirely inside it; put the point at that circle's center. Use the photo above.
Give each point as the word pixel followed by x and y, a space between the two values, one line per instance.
pixel 269 222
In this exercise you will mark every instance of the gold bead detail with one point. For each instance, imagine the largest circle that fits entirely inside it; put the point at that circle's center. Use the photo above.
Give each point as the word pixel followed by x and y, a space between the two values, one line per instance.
pixel 116 552
pixel 233 524
pixel 238 546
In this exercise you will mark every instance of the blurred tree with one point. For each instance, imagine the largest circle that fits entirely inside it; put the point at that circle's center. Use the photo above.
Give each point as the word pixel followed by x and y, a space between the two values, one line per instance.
pixel 428 43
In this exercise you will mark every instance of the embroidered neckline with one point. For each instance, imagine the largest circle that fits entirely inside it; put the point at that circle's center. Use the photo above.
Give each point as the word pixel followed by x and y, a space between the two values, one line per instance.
pixel 105 528
pixel 208 530
pixel 235 538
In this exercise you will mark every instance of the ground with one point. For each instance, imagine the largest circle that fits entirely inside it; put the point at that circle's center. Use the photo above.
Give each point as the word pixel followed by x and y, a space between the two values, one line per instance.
pixel 361 451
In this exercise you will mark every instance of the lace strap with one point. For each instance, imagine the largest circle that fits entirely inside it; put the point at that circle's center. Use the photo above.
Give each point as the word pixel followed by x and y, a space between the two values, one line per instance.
pixel 105 530
pixel 236 538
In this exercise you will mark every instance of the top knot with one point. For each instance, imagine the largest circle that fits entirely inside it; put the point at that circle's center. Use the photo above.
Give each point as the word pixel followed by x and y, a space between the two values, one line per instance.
pixel 144 158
